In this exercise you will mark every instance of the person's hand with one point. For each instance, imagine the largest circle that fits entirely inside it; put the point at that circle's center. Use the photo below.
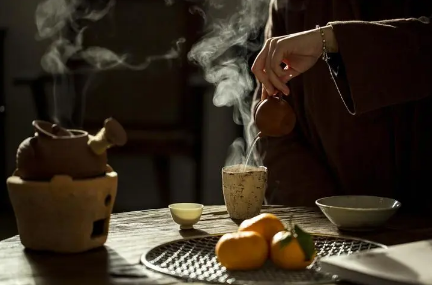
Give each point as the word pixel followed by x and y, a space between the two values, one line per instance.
pixel 298 52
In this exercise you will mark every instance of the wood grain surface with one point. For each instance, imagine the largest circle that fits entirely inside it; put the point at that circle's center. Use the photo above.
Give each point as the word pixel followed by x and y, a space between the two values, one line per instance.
pixel 133 233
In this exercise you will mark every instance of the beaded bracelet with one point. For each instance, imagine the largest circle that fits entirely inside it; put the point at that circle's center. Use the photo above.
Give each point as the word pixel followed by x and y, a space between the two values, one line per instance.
pixel 324 48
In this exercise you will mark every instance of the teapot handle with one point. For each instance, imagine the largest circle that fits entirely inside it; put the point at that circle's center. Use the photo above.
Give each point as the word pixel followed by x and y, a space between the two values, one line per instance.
pixel 111 134
pixel 279 96
pixel 48 129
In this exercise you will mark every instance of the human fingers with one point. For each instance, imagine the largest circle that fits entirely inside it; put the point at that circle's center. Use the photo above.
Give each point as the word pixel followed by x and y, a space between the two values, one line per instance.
pixel 274 79
pixel 258 68
pixel 264 94
pixel 276 58
pixel 290 73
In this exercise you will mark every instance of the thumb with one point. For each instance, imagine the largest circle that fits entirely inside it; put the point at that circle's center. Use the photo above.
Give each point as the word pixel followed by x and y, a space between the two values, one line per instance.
pixel 264 93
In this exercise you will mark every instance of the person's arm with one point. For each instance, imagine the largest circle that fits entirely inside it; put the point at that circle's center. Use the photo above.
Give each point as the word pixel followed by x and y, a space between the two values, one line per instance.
pixel 382 63
pixel 296 177
pixel 274 27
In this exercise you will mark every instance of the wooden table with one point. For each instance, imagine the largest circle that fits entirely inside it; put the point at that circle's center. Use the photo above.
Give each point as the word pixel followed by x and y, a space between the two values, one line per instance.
pixel 133 233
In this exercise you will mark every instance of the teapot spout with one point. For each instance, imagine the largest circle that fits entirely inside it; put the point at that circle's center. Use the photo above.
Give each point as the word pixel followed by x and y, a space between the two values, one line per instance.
pixel 112 134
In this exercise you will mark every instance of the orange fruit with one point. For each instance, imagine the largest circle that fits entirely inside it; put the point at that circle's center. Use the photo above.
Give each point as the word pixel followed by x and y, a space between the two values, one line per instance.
pixel 265 224
pixel 289 251
pixel 242 250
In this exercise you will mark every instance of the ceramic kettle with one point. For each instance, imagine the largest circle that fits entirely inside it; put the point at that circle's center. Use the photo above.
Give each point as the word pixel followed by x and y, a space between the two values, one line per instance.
pixel 274 117
pixel 54 150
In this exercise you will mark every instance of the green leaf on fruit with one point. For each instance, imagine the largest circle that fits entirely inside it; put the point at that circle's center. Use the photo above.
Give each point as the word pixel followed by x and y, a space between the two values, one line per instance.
pixel 286 239
pixel 306 242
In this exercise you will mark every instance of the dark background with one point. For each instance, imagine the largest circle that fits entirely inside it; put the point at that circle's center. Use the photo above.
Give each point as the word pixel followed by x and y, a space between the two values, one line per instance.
pixel 178 138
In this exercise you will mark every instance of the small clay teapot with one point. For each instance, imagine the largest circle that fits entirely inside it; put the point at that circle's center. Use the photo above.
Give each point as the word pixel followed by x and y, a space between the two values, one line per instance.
pixel 274 117
pixel 54 150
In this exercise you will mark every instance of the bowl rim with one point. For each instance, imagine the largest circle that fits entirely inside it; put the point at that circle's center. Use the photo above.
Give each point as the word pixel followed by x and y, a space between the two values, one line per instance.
pixel 397 204
pixel 194 206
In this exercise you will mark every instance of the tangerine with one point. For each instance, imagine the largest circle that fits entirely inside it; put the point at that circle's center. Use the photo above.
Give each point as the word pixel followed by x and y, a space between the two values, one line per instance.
pixel 265 224
pixel 289 251
pixel 242 250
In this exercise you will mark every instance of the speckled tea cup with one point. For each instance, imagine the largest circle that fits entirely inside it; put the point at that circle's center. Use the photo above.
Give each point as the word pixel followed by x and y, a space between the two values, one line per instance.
pixel 244 190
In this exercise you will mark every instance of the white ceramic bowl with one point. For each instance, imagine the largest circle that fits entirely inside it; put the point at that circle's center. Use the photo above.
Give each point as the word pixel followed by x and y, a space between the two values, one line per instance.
pixel 358 213
pixel 186 214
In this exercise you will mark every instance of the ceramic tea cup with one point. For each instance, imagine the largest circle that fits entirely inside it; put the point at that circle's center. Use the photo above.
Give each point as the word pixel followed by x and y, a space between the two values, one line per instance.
pixel 358 213
pixel 186 214
pixel 244 189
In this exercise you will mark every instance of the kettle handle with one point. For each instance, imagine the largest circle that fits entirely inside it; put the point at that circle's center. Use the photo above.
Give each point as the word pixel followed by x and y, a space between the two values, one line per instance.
pixel 279 96
pixel 111 134
pixel 50 130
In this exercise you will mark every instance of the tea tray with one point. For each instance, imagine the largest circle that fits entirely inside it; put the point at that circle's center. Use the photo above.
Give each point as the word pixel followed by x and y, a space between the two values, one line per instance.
pixel 194 259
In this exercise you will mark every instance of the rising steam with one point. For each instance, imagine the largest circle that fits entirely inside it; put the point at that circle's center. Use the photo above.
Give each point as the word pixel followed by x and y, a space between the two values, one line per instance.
pixel 53 20
pixel 54 16
pixel 228 70
pixel 217 52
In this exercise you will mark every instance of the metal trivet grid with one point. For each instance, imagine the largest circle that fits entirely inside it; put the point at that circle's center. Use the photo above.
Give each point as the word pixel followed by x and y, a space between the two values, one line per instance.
pixel 194 259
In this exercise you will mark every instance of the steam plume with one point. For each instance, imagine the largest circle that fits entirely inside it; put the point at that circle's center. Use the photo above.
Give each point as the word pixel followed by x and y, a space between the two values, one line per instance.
pixel 228 70
pixel 217 52
pixel 54 18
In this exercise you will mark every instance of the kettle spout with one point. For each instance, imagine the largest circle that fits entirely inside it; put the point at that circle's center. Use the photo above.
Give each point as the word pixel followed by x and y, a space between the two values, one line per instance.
pixel 112 134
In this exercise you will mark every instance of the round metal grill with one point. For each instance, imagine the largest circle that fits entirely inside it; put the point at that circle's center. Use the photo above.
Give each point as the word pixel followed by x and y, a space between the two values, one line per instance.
pixel 194 259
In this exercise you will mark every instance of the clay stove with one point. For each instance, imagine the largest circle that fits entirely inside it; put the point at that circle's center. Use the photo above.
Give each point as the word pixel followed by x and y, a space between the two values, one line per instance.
pixel 63 190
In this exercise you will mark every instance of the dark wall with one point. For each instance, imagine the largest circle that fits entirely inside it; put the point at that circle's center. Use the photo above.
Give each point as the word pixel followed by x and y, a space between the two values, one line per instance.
pixel 3 191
